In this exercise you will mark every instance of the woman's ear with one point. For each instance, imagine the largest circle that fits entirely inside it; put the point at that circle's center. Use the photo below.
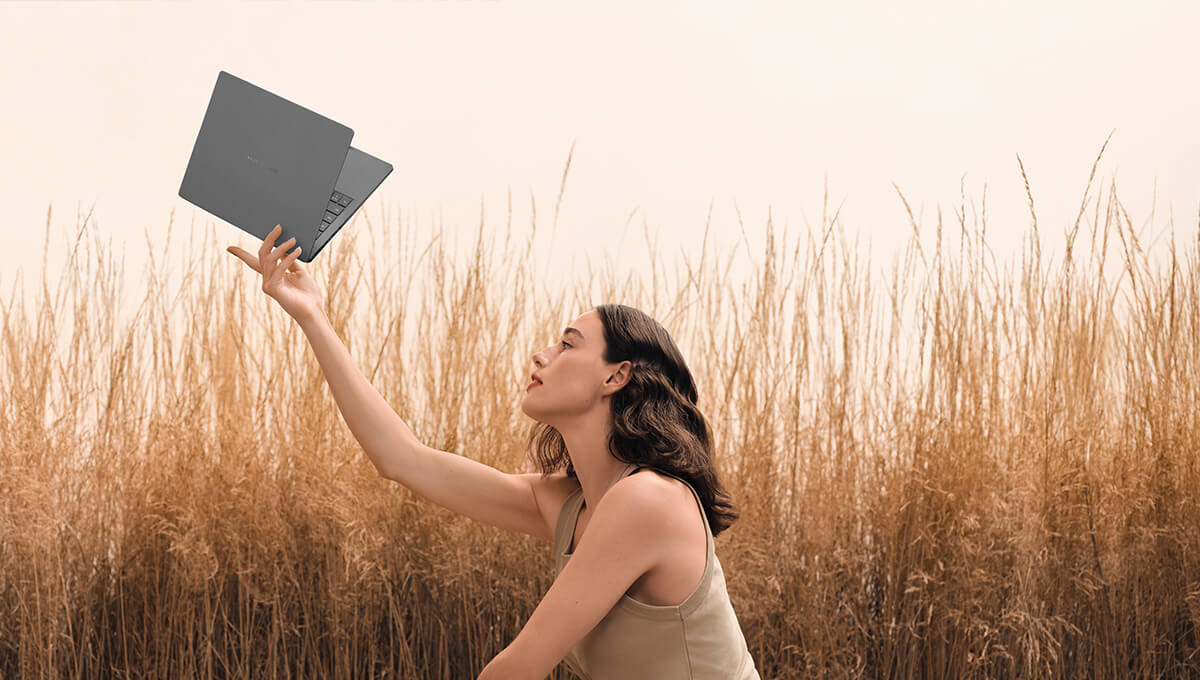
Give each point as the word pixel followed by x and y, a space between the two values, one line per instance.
pixel 618 378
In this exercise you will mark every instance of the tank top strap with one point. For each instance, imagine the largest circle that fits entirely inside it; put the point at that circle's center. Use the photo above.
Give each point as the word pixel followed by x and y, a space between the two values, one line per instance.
pixel 629 470
pixel 566 520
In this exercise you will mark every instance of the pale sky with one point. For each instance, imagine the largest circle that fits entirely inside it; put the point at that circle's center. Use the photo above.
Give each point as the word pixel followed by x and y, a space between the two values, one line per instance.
pixel 671 105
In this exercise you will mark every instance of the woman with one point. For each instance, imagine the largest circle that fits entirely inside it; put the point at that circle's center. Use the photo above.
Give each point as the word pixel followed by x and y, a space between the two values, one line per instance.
pixel 626 464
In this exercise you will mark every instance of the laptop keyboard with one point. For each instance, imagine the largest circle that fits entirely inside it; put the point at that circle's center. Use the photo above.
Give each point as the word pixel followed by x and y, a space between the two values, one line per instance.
pixel 337 203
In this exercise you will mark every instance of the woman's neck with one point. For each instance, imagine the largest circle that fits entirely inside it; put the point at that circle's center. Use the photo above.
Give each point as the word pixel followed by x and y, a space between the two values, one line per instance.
pixel 595 466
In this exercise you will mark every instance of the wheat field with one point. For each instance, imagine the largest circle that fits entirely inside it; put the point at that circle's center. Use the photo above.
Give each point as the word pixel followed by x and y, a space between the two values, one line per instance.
pixel 957 468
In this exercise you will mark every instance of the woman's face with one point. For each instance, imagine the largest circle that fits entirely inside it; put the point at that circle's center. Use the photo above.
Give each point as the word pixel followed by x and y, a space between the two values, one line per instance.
pixel 571 373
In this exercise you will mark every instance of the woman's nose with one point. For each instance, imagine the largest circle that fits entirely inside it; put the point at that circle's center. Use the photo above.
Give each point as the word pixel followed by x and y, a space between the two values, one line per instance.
pixel 539 360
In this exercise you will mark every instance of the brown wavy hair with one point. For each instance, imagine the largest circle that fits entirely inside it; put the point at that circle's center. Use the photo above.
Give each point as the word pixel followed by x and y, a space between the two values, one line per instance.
pixel 656 422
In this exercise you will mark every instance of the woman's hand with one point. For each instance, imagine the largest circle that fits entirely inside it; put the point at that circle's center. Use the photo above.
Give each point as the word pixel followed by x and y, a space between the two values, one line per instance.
pixel 283 279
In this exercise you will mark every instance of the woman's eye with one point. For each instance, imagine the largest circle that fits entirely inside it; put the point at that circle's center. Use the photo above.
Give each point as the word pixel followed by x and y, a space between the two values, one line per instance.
pixel 564 344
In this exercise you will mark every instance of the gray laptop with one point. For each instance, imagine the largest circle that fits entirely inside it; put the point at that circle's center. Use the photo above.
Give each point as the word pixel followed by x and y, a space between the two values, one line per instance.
pixel 260 160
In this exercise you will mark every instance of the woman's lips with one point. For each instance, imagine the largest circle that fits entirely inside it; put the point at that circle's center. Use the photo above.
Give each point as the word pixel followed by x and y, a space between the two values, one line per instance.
pixel 532 385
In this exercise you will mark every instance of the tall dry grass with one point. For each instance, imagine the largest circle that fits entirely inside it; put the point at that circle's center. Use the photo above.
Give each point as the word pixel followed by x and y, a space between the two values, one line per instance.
pixel 960 468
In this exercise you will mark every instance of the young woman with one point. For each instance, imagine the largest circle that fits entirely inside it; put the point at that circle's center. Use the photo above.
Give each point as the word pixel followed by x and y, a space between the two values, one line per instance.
pixel 627 492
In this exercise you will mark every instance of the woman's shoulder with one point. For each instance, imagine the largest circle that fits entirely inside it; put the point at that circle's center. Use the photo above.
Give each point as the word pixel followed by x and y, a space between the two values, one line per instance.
pixel 663 493
pixel 655 479
pixel 665 511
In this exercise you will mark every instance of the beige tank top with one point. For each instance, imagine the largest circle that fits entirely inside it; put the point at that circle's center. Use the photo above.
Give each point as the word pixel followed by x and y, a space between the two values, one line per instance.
pixel 699 639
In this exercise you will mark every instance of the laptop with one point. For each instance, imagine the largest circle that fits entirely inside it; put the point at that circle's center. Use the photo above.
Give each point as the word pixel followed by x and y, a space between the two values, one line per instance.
pixel 261 160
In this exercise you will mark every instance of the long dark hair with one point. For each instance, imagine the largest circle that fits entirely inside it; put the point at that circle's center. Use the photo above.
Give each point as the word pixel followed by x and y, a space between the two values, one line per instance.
pixel 656 423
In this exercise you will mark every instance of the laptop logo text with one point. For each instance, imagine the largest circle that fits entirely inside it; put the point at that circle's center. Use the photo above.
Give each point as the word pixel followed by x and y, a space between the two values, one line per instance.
pixel 259 163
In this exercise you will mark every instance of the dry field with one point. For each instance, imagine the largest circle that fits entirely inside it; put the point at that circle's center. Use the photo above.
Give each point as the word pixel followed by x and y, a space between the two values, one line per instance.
pixel 949 467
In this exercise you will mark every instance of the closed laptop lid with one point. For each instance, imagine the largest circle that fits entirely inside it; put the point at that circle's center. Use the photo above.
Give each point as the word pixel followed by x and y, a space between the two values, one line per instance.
pixel 261 160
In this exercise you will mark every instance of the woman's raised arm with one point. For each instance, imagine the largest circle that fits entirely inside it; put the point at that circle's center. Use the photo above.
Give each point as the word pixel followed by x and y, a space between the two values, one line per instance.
pixel 525 503
pixel 463 485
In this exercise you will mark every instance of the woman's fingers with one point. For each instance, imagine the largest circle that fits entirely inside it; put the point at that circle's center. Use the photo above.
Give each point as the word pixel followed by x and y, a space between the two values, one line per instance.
pixel 290 261
pixel 278 251
pixel 269 242
pixel 268 260
pixel 245 257
pixel 272 263
pixel 275 271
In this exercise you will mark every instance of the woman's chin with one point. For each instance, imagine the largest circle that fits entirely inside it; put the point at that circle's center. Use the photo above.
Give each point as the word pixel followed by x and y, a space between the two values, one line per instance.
pixel 532 412
pixel 526 410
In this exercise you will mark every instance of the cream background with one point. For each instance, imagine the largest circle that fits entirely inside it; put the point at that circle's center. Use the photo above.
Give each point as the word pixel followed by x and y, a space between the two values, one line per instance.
pixel 671 105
